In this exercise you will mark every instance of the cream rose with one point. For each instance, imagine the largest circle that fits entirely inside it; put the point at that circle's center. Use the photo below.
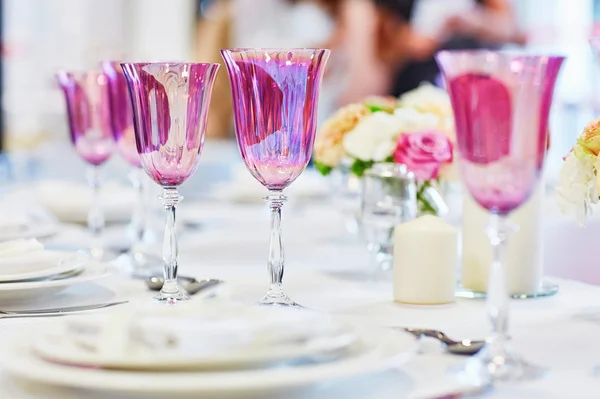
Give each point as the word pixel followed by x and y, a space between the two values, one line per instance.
pixel 577 188
pixel 328 148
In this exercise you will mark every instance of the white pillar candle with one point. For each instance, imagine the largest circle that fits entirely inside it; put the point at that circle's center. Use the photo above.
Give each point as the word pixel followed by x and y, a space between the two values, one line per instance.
pixel 425 261
pixel 524 252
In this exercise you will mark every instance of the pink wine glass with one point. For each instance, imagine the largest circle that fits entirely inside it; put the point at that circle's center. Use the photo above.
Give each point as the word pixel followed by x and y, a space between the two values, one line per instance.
pixel 170 107
pixel 88 108
pixel 501 104
pixel 275 95
pixel 124 134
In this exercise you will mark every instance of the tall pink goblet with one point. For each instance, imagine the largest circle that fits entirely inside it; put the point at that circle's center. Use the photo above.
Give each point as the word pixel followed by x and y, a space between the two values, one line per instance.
pixel 170 106
pixel 501 104
pixel 88 108
pixel 124 134
pixel 275 95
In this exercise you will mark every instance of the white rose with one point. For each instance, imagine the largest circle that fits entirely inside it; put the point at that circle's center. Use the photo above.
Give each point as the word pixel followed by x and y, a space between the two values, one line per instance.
pixel 577 187
pixel 371 138
pixel 410 120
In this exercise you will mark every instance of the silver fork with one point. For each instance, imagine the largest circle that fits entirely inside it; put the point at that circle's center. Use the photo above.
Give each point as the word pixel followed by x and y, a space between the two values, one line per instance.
pixel 55 311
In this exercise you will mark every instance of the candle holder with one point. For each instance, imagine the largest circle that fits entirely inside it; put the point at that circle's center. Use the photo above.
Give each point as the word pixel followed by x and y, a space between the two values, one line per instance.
pixel 389 197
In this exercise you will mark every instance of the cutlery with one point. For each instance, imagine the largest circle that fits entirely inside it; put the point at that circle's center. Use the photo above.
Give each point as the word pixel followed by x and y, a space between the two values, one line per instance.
pixel 155 283
pixel 192 225
pixel 55 311
pixel 464 347
pixel 198 286
pixel 191 285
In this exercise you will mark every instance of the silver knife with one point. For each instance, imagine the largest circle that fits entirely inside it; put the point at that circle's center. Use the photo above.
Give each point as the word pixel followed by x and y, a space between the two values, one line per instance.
pixel 55 311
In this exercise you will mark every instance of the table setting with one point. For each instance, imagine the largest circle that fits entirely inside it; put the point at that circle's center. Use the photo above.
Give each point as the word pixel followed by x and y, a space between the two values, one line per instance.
pixel 406 272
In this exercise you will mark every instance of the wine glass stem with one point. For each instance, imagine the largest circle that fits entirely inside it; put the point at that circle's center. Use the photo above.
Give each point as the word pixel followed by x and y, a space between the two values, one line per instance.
pixel 138 219
pixel 276 199
pixel 170 199
pixel 95 217
pixel 498 292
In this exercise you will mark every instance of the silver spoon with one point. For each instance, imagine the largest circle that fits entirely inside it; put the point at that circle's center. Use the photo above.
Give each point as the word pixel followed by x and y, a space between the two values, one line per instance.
pixel 155 283
pixel 464 347
pixel 191 285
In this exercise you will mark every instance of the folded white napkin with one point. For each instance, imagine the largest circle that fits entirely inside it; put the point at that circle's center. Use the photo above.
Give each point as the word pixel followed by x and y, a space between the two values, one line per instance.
pixel 22 217
pixel 25 256
pixel 13 248
pixel 214 330
pixel 12 222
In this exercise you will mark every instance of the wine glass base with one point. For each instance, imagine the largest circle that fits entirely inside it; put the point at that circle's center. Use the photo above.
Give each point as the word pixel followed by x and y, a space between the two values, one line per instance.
pixel 498 366
pixel 171 298
pixel 280 300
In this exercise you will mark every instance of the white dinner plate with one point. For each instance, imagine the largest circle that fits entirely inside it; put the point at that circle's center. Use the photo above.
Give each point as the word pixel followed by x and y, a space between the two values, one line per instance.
pixel 61 347
pixel 63 262
pixel 34 289
pixel 385 348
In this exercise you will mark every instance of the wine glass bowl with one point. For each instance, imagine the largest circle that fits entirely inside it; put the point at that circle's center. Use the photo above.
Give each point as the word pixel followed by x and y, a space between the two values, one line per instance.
pixel 278 90
pixel 173 99
pixel 90 126
pixel 275 95
pixel 501 103
pixel 89 114
pixel 170 106
pixel 122 114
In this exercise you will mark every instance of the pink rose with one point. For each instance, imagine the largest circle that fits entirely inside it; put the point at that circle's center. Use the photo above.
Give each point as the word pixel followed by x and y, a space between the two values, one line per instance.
pixel 423 153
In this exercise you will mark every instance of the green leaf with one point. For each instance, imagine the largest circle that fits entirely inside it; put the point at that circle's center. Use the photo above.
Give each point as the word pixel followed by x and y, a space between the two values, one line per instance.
pixel 424 206
pixel 323 168
pixel 377 108
pixel 359 167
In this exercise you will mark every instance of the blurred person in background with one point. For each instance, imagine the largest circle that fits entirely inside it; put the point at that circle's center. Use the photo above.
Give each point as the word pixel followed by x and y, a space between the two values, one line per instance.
pixel 412 31
pixel 354 70
pixel 344 26
pixel 347 27
pixel 268 24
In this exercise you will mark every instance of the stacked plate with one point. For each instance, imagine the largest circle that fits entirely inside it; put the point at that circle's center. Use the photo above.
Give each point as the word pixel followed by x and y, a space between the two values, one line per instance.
pixel 213 349
pixel 18 222
pixel 27 271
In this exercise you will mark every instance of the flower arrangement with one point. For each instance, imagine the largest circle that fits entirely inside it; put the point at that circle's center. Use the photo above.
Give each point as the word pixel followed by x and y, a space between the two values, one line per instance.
pixel 416 130
pixel 579 178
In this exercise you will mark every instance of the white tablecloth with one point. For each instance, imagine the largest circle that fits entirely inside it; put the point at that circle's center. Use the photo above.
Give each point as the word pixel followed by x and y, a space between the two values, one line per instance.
pixel 323 271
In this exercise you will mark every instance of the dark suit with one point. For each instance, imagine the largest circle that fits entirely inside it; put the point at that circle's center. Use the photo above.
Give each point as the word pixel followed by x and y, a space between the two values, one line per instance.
pixel 411 75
